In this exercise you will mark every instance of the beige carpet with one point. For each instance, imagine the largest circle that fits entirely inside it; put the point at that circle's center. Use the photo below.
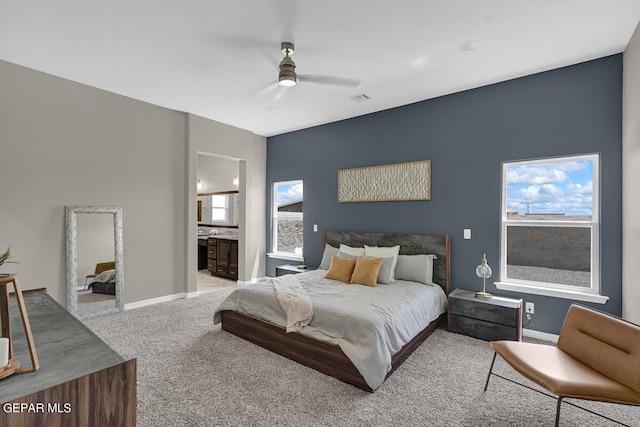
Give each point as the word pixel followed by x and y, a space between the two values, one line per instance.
pixel 191 373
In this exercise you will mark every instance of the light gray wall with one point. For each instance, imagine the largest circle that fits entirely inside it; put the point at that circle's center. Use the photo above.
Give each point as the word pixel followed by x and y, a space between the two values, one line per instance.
pixel 64 143
pixel 206 136
pixel 631 180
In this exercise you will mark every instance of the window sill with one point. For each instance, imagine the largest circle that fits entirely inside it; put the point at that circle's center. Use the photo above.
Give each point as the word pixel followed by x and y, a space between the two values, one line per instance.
pixel 289 257
pixel 552 292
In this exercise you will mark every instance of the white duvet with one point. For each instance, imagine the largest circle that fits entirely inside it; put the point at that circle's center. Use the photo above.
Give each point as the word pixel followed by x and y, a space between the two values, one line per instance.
pixel 369 324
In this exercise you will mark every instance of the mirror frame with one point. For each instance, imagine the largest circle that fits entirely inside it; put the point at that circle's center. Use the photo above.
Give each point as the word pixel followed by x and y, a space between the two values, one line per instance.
pixel 72 256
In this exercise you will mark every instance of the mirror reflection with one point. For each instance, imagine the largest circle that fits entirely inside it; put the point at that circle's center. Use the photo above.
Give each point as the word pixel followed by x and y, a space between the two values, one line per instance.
pixel 96 279
pixel 218 187
pixel 218 209
pixel 95 274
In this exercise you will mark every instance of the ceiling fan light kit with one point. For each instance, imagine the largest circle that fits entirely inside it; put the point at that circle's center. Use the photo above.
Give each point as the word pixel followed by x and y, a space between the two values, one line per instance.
pixel 287 76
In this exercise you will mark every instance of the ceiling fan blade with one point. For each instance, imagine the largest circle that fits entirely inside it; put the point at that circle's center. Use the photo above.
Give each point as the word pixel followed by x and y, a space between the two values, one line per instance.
pixel 269 89
pixel 329 80
pixel 265 89
pixel 279 92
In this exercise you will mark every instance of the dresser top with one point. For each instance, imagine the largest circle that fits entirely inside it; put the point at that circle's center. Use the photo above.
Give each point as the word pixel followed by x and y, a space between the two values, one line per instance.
pixel 495 300
pixel 66 348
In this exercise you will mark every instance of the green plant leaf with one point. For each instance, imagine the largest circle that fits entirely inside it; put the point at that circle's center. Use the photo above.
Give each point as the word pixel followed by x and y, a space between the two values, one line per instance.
pixel 4 258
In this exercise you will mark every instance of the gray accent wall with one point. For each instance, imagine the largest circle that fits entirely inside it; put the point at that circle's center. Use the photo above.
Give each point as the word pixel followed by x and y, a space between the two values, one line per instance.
pixel 567 111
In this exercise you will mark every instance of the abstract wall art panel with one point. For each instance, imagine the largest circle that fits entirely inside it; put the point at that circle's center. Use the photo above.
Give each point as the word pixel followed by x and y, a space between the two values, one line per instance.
pixel 384 183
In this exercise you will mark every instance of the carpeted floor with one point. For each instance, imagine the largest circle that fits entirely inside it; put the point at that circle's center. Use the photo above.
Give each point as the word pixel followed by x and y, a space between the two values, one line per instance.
pixel 191 373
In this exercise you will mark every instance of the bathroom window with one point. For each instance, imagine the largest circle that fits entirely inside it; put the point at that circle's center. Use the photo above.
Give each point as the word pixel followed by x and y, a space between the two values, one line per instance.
pixel 220 208
pixel 287 219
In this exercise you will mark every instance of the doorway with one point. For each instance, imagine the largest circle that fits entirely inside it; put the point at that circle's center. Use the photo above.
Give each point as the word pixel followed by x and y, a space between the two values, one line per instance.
pixel 218 212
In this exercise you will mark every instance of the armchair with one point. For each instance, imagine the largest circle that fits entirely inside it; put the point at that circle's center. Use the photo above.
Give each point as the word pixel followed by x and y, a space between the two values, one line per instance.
pixel 597 358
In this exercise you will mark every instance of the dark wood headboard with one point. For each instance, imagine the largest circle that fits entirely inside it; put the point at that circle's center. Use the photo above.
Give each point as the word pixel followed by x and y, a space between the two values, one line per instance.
pixel 410 244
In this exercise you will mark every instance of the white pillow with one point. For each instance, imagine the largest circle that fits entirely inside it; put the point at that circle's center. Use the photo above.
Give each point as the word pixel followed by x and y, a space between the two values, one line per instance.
pixel 416 268
pixel 329 252
pixel 384 252
pixel 351 251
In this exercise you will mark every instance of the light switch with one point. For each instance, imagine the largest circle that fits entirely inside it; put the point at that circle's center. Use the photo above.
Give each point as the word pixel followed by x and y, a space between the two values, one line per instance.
pixel 467 233
pixel 315 228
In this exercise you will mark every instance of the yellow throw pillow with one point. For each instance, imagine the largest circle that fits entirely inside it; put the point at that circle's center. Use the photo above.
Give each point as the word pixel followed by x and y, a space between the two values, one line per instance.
pixel 340 269
pixel 366 271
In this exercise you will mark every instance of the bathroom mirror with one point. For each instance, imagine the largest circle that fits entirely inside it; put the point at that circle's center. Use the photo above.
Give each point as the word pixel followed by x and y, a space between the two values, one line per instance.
pixel 219 208
pixel 71 216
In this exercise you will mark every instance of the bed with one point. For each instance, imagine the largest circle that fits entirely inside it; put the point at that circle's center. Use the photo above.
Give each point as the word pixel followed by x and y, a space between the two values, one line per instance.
pixel 386 344
pixel 103 283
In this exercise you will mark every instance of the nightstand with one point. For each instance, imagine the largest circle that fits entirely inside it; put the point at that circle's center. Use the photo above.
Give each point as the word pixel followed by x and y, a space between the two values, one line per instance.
pixel 281 270
pixel 492 320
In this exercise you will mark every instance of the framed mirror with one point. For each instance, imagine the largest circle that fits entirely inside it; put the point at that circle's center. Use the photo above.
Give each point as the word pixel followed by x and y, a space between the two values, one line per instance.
pixel 116 276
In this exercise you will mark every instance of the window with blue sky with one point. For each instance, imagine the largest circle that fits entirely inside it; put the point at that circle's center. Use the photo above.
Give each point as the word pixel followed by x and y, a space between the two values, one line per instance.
pixel 287 231
pixel 551 188
pixel 550 226
pixel 289 192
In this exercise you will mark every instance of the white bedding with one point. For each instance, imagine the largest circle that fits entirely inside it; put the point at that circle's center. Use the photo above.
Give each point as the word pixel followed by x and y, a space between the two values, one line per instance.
pixel 107 276
pixel 369 324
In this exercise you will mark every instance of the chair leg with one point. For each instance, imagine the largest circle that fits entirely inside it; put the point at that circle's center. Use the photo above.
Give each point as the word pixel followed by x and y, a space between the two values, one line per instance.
pixel 490 370
pixel 558 410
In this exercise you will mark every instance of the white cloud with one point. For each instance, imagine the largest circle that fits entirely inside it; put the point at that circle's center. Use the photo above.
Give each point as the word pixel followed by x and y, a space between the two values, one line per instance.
pixel 581 189
pixel 550 188
pixel 541 192
pixel 543 174
pixel 292 193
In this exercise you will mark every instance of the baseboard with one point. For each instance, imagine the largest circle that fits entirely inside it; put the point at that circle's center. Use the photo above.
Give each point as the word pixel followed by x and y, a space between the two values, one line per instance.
pixel 152 301
pixel 540 335
pixel 256 280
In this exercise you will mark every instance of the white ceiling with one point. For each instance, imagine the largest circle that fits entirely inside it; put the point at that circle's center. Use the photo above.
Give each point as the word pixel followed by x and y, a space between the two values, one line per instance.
pixel 218 59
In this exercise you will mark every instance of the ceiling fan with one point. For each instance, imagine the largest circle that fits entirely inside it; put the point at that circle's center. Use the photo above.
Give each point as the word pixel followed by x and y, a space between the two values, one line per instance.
pixel 289 78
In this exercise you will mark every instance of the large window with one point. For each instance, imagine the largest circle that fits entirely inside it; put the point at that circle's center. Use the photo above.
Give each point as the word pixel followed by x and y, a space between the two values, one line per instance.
pixel 287 219
pixel 550 227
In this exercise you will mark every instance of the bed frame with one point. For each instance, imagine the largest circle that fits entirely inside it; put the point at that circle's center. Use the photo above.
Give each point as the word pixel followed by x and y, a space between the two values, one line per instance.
pixel 329 358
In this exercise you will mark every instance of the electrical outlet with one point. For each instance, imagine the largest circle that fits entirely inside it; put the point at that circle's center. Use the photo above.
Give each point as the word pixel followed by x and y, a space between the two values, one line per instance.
pixel 528 308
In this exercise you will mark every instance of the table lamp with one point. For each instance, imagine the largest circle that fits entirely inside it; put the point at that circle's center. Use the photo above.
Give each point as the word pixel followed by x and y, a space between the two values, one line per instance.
pixel 484 271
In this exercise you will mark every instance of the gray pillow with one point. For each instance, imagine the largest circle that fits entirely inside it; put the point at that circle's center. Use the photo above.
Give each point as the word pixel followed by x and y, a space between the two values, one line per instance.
pixel 329 252
pixel 384 275
pixel 415 268
pixel 345 255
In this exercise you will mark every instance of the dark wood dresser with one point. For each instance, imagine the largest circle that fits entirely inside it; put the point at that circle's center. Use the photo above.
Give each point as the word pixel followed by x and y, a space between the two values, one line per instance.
pixel 492 320
pixel 81 380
